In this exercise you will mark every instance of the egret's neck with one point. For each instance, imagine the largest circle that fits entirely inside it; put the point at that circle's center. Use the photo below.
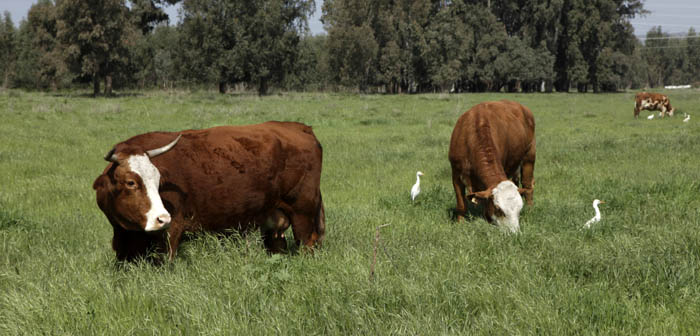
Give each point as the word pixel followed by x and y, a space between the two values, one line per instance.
pixel 597 211
pixel 417 179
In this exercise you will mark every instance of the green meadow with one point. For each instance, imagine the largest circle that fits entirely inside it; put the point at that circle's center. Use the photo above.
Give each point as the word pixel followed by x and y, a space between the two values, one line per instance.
pixel 635 272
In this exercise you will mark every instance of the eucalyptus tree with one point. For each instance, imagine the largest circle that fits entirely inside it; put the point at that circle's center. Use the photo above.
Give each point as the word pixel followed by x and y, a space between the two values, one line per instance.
pixel 93 39
pixel 691 66
pixel 8 47
pixel 234 41
pixel 352 44
pixel 40 64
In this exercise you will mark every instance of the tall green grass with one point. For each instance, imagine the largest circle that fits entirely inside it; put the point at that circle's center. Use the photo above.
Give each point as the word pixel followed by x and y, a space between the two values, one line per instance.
pixel 635 272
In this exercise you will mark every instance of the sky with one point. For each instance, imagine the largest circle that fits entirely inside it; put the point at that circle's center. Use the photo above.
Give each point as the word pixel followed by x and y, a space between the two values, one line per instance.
pixel 675 16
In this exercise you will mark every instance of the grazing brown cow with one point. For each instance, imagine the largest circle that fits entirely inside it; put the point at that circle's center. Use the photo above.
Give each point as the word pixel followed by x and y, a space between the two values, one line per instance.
pixel 652 102
pixel 490 142
pixel 159 185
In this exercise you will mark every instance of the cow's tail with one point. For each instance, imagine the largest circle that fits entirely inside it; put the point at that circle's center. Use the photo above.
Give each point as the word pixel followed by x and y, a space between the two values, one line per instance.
pixel 320 220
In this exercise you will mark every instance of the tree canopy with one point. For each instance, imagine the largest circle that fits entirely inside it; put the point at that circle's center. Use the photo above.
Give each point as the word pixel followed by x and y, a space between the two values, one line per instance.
pixel 390 46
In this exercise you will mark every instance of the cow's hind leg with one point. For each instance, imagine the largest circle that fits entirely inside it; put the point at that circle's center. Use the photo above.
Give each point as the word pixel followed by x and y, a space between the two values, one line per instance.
pixel 527 172
pixel 272 231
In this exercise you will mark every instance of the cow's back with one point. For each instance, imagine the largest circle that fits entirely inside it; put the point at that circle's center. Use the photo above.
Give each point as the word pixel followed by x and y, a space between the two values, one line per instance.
pixel 228 174
pixel 491 134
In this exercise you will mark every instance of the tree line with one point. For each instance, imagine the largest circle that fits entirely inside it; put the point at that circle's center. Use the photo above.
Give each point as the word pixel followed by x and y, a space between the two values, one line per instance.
pixel 390 46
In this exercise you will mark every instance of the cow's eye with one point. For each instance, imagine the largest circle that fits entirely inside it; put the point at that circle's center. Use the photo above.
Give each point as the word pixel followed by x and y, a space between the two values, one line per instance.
pixel 131 184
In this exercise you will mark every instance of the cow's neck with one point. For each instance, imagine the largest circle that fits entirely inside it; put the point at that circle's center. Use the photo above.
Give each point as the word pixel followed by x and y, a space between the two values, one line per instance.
pixel 488 165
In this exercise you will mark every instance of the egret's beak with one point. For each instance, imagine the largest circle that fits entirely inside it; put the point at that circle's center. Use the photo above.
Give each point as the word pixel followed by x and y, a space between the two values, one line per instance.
pixel 602 202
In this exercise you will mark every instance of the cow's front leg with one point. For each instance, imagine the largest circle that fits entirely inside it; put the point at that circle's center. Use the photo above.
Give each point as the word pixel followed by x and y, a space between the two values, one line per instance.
pixel 174 236
pixel 303 227
pixel 461 208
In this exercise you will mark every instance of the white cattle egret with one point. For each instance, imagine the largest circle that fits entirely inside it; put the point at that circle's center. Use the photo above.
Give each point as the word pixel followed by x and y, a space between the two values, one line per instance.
pixel 687 117
pixel 651 116
pixel 595 218
pixel 416 187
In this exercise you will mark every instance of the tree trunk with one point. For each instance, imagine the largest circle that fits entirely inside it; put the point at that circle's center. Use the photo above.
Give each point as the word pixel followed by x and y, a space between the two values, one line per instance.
pixel 548 86
pixel 262 88
pixel 6 80
pixel 95 85
pixel 223 87
pixel 108 85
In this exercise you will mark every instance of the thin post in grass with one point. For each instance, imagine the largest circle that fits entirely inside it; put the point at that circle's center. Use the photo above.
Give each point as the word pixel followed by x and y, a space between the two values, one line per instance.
pixel 374 256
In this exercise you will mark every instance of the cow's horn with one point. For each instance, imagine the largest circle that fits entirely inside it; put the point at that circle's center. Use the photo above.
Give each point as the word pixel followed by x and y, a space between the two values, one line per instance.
pixel 158 151
pixel 110 156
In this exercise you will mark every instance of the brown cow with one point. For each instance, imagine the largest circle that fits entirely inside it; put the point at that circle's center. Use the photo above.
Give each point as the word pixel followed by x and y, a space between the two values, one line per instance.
pixel 490 142
pixel 217 179
pixel 652 102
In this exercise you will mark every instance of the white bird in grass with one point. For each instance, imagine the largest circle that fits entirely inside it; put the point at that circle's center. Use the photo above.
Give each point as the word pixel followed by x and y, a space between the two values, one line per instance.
pixel 595 218
pixel 651 116
pixel 416 187
pixel 687 117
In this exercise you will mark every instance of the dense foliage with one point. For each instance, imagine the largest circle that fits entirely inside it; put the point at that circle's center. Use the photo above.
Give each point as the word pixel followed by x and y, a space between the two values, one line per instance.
pixel 390 46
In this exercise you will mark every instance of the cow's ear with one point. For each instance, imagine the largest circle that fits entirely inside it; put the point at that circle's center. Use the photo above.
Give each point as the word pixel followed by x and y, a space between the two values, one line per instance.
pixel 100 182
pixel 104 184
pixel 105 191
pixel 480 195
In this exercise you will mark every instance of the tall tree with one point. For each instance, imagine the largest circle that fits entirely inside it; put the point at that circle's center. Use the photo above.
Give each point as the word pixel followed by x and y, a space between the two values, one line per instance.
pixel 596 38
pixel 8 48
pixel 655 46
pixel 41 63
pixel 352 47
pixel 154 58
pixel 310 71
pixel 231 41
pixel 691 67
pixel 92 34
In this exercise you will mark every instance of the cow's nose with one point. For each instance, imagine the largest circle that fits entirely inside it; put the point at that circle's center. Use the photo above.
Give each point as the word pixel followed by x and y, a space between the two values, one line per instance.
pixel 163 219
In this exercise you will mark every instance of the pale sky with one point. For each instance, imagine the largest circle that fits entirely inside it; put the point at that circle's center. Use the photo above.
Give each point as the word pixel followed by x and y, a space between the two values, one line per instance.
pixel 673 15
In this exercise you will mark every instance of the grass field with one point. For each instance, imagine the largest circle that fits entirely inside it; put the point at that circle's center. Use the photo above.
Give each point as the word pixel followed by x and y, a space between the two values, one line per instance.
pixel 636 272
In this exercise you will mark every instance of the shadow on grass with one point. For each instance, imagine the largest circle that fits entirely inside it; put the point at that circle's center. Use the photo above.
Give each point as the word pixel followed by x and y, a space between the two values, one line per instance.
pixel 90 95
pixel 473 211
pixel 230 240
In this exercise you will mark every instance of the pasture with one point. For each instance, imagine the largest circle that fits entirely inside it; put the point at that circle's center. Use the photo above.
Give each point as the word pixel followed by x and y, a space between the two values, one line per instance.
pixel 635 272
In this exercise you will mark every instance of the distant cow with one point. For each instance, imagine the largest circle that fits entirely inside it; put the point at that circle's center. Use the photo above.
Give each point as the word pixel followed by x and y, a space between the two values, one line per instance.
pixel 652 102
pixel 490 143
pixel 159 185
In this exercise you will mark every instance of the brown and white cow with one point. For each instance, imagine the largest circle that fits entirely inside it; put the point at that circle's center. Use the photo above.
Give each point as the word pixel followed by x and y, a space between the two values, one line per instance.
pixel 490 144
pixel 652 102
pixel 159 185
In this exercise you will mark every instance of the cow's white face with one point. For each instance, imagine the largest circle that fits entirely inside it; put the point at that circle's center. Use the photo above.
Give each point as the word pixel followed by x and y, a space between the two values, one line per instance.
pixel 157 218
pixel 127 191
pixel 508 203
